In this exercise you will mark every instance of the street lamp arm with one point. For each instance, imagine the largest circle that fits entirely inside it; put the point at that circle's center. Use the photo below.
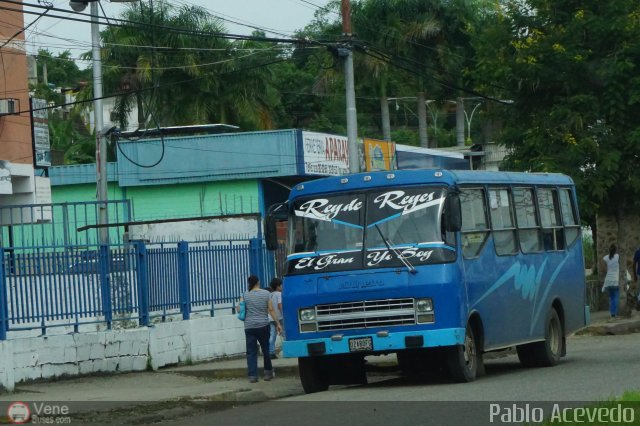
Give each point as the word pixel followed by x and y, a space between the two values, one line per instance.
pixel 469 119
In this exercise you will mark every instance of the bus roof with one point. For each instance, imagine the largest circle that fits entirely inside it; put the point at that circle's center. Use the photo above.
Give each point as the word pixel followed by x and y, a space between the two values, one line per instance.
pixel 360 181
pixel 484 176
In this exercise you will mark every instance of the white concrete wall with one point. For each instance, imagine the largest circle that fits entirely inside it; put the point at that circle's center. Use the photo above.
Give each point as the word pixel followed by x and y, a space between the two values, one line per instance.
pixel 195 230
pixel 46 357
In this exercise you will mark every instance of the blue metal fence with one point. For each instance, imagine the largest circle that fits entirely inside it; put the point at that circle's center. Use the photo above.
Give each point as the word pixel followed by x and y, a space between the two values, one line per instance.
pixel 33 225
pixel 53 286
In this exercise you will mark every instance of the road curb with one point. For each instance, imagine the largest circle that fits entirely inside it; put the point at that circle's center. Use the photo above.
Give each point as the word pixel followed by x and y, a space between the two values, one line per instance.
pixel 612 328
pixel 180 408
pixel 236 373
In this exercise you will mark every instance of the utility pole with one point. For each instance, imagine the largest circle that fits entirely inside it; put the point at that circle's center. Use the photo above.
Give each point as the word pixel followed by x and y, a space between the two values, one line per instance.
pixel 460 122
pixel 422 119
pixel 352 120
pixel 101 141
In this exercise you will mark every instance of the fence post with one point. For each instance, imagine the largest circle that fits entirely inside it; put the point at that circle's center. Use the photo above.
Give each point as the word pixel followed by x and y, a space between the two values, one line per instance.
pixel 4 310
pixel 256 259
pixel 104 257
pixel 183 279
pixel 143 283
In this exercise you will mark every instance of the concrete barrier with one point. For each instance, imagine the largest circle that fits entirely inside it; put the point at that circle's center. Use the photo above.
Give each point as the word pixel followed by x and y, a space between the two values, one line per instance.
pixel 123 350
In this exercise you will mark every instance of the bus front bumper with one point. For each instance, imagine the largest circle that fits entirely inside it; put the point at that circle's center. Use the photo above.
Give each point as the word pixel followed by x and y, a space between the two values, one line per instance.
pixel 374 342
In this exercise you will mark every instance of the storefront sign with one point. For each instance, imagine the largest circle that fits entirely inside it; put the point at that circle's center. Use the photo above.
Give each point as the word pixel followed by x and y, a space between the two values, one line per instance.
pixel 325 154
pixel 5 178
pixel 42 154
pixel 379 155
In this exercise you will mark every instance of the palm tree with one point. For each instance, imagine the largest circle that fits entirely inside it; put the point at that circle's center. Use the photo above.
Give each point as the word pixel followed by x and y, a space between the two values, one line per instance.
pixel 425 39
pixel 169 73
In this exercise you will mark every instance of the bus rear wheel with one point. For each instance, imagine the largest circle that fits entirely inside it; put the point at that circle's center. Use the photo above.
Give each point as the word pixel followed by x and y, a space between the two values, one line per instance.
pixel 462 360
pixel 312 376
pixel 548 352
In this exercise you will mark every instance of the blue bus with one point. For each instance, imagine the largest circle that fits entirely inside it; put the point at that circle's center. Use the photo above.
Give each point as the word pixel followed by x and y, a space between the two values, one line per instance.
pixel 436 266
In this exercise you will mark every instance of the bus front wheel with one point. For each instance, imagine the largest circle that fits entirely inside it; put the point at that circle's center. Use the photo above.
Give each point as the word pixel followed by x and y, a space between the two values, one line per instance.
pixel 462 360
pixel 312 376
pixel 548 352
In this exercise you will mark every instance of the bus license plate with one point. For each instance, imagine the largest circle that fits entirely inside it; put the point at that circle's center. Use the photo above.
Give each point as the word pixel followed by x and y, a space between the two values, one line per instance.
pixel 361 344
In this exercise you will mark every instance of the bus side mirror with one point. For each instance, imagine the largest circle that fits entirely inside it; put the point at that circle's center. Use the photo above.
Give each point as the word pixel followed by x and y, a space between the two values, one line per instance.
pixel 453 213
pixel 275 214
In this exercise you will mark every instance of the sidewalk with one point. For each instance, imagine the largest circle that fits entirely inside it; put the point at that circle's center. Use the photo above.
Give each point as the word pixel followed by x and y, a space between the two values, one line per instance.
pixel 603 325
pixel 181 391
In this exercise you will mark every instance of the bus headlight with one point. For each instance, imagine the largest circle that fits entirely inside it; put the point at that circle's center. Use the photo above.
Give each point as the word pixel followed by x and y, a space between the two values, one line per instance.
pixel 424 305
pixel 424 311
pixel 307 314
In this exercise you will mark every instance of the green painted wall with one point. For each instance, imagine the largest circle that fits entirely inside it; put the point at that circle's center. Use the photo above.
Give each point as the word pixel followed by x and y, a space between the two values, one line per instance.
pixel 147 203
pixel 167 201
pixel 67 219
pixel 194 199
pixel 82 193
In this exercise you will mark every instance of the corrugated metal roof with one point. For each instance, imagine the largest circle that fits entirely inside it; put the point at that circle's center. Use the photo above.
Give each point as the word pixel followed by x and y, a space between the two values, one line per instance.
pixel 208 158
pixel 80 173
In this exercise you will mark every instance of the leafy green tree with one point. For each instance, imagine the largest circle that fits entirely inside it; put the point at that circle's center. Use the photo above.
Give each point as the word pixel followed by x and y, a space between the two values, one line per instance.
pixel 178 78
pixel 62 71
pixel 571 70
pixel 69 134
pixel 67 130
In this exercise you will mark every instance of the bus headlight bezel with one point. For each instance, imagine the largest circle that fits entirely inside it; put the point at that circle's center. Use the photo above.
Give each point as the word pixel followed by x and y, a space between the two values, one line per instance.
pixel 424 305
pixel 307 314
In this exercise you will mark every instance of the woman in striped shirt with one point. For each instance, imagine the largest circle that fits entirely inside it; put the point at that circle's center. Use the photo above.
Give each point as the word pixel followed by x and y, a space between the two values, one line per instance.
pixel 256 328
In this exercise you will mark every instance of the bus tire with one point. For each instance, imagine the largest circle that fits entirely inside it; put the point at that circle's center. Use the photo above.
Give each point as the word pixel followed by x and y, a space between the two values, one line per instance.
pixel 462 360
pixel 548 352
pixel 312 377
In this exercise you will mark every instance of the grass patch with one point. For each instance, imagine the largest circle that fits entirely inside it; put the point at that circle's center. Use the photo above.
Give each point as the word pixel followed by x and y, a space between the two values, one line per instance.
pixel 623 410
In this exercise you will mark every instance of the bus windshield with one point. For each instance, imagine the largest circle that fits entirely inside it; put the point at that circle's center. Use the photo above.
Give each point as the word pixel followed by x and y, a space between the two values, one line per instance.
pixel 369 229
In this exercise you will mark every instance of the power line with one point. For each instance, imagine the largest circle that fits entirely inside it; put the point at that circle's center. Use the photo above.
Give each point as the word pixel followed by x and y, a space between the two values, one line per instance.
pixel 233 20
pixel 384 57
pixel 73 45
pixel 20 31
pixel 130 92
pixel 118 22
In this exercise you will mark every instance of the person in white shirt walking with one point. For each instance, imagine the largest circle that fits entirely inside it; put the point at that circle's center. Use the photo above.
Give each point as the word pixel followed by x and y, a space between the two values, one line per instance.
pixel 612 279
pixel 276 302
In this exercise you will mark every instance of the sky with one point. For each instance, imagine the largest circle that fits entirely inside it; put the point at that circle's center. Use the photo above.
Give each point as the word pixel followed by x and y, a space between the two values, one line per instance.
pixel 282 16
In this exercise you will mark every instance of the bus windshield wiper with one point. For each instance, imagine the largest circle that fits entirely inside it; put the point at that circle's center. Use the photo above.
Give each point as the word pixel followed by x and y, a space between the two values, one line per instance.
pixel 404 261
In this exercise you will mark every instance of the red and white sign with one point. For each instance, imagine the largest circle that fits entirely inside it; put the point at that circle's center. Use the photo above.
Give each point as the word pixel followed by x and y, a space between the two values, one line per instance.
pixel 19 413
pixel 325 154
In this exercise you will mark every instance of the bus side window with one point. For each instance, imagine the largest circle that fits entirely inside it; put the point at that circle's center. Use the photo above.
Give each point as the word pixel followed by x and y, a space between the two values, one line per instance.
pixel 502 221
pixel 527 220
pixel 475 231
pixel 552 231
pixel 572 228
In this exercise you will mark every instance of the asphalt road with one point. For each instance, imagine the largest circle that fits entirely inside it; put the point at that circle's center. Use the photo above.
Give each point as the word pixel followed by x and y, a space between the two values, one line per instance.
pixel 595 369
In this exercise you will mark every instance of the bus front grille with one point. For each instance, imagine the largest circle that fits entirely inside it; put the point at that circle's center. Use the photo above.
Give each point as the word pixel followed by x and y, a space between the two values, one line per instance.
pixel 366 314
